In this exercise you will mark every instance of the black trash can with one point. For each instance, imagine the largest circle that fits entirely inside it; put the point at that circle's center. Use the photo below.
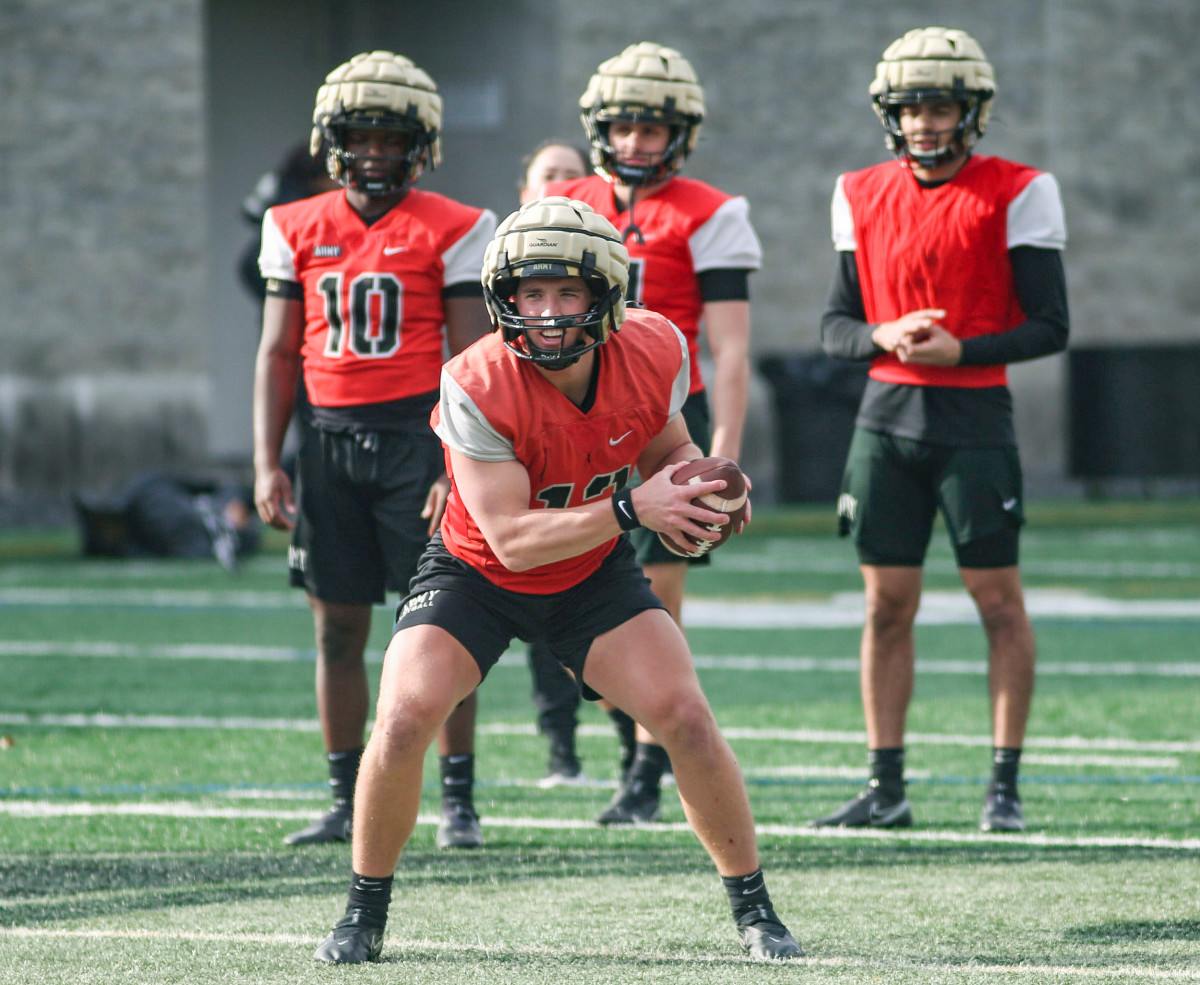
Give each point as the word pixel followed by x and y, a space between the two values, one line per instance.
pixel 816 400
pixel 1134 411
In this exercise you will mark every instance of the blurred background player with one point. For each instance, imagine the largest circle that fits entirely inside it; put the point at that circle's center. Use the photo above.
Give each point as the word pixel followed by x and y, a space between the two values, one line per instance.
pixel 949 268
pixel 691 251
pixel 301 174
pixel 531 546
pixel 555 692
pixel 360 282
pixel 551 160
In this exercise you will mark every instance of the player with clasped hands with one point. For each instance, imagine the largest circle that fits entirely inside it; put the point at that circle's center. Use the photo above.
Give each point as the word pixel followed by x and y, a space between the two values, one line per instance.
pixel 949 269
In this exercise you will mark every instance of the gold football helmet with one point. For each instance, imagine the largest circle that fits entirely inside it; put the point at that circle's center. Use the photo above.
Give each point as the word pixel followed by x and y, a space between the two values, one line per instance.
pixel 378 89
pixel 646 83
pixel 556 237
pixel 934 64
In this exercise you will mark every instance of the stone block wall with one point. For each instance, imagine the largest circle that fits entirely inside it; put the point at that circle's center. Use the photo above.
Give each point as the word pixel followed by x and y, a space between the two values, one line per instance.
pixel 101 259
pixel 108 358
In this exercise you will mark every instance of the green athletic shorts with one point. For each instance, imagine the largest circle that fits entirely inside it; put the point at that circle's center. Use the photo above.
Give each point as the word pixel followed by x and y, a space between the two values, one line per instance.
pixel 893 488
pixel 649 548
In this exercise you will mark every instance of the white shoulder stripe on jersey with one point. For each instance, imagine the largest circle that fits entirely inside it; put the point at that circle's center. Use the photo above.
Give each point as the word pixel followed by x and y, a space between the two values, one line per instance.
pixel 275 258
pixel 1036 216
pixel 842 219
pixel 726 240
pixel 464 260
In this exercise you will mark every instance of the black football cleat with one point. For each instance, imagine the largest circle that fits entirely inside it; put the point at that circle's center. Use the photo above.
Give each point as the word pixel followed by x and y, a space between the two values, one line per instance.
pixel 459 827
pixel 634 802
pixel 352 941
pixel 564 769
pixel 870 809
pixel 334 825
pixel 1001 813
pixel 765 938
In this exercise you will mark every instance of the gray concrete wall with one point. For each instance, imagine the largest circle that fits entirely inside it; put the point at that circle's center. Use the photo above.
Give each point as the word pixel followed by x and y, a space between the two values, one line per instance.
pixel 130 130
pixel 101 242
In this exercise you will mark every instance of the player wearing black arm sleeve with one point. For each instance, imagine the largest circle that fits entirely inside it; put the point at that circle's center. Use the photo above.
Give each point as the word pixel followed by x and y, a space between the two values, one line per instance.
pixel 949 269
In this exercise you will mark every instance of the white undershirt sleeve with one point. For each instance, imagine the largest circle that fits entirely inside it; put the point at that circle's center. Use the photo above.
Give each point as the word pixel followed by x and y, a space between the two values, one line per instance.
pixel 726 240
pixel 275 257
pixel 842 219
pixel 464 260
pixel 1036 216
pixel 463 427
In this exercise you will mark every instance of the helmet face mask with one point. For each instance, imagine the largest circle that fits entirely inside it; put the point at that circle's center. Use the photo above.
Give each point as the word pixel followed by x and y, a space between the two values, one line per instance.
pixel 951 143
pixel 515 327
pixel 383 92
pixel 646 83
pixel 606 158
pixel 934 64
pixel 375 173
pixel 556 238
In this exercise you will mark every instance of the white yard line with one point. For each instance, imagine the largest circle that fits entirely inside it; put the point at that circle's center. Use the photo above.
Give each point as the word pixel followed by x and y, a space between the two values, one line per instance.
pixel 516 658
pixel 556 952
pixel 39 809
pixel 839 609
pixel 831 737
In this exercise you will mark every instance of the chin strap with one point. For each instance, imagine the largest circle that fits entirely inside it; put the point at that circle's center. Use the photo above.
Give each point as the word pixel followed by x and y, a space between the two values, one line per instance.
pixel 632 228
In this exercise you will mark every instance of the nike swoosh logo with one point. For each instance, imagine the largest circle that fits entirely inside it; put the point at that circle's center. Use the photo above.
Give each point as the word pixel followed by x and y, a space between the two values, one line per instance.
pixel 389 250
pixel 1008 504
pixel 617 441
pixel 624 507
pixel 747 892
pixel 890 814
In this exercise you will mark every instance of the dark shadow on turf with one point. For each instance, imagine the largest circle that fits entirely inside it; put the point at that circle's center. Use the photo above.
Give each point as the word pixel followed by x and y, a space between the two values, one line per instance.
pixel 51 888
pixel 1124 931
pixel 36 887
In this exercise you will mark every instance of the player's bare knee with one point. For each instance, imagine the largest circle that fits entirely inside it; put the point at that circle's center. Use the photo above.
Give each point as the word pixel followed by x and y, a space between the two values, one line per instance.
pixel 1001 612
pixel 685 722
pixel 406 725
pixel 888 613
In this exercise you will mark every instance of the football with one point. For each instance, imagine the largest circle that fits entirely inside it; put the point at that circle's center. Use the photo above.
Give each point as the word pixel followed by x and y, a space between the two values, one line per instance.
pixel 731 501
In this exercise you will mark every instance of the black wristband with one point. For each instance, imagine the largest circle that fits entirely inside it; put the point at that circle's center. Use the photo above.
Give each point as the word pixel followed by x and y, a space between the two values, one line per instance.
pixel 622 504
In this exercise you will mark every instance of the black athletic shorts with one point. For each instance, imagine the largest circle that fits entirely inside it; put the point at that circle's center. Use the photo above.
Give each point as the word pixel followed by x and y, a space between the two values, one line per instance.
pixel 486 618
pixel 649 548
pixel 359 530
pixel 894 487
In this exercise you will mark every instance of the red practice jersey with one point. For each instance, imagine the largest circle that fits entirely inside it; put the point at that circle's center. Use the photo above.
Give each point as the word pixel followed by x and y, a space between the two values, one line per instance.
pixel 498 408
pixel 688 227
pixel 945 247
pixel 373 313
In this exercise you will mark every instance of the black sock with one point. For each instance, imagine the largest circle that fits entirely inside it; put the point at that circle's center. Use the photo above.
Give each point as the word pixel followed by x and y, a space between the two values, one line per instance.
pixel 626 727
pixel 887 771
pixel 747 894
pixel 458 779
pixel 343 774
pixel 627 734
pixel 648 765
pixel 370 897
pixel 1005 763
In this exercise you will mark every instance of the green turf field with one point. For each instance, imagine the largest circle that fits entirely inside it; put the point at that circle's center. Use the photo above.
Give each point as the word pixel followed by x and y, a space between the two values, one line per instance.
pixel 159 739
